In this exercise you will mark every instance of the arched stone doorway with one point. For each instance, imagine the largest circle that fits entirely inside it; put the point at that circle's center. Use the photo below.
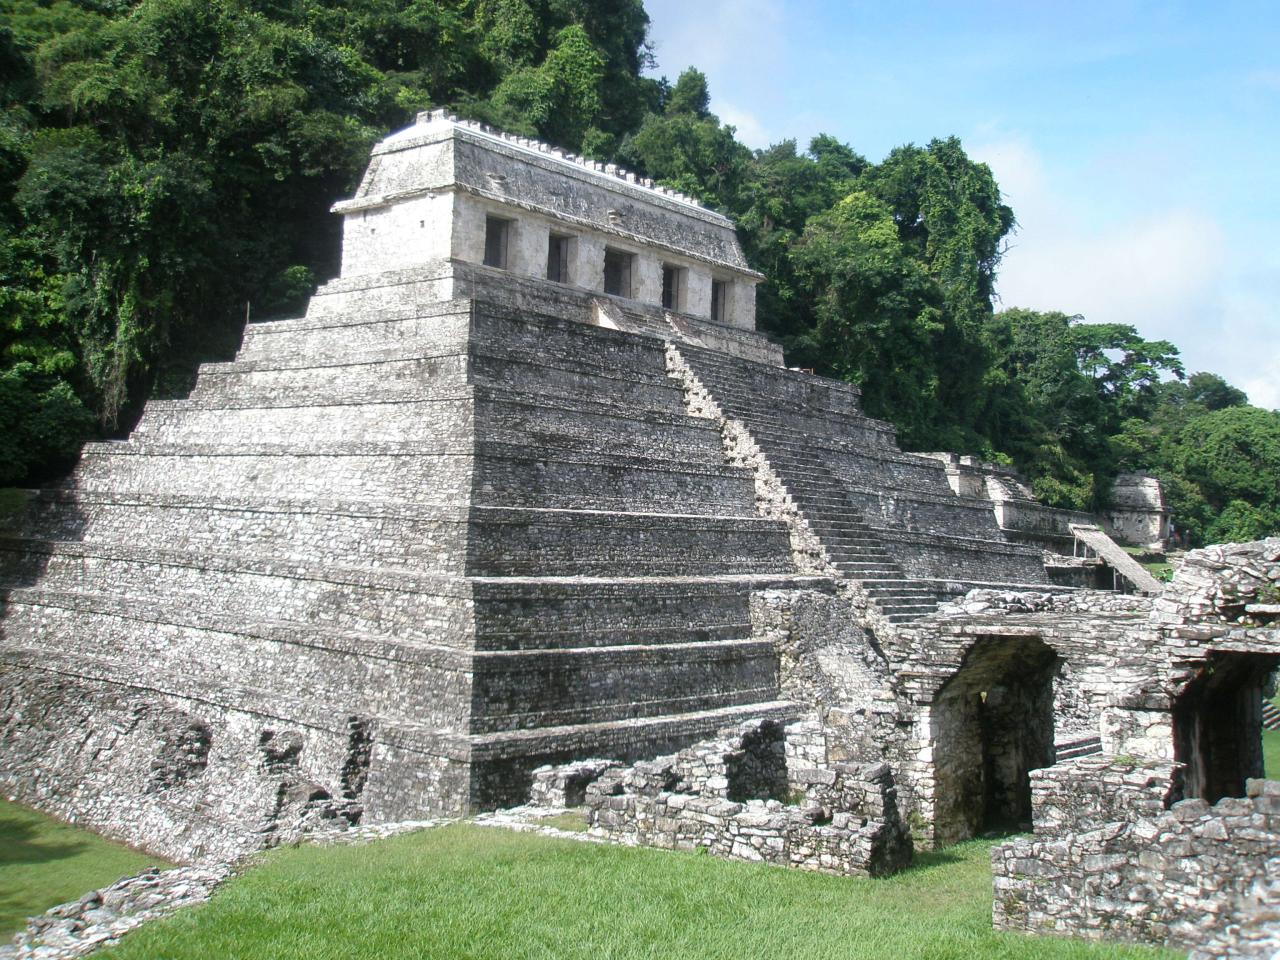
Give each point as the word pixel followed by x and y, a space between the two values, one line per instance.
pixel 993 725
pixel 1217 724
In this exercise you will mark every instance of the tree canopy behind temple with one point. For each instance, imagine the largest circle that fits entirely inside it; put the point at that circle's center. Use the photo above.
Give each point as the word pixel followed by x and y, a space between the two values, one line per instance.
pixel 166 165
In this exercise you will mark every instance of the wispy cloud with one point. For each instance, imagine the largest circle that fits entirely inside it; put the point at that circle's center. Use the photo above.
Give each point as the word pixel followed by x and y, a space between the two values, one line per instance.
pixel 1165 271
pixel 749 128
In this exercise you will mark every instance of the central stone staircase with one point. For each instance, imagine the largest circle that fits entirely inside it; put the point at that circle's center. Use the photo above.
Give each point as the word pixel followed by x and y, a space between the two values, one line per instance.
pixel 885 518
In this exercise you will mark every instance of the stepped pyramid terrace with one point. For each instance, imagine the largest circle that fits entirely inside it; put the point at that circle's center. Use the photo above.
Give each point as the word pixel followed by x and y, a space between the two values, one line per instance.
pixel 525 487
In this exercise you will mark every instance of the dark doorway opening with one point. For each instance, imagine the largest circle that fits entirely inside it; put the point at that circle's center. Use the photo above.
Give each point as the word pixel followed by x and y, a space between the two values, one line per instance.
pixel 1217 725
pixel 993 725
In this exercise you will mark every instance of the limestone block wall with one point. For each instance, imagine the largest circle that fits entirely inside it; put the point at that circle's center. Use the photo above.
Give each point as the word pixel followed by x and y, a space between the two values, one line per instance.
pixel 1138 513
pixel 722 796
pixel 131 765
pixel 1180 878
pixel 394 237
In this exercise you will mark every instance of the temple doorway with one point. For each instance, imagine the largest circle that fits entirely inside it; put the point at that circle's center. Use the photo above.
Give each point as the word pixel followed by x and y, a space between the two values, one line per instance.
pixel 1217 725
pixel 993 725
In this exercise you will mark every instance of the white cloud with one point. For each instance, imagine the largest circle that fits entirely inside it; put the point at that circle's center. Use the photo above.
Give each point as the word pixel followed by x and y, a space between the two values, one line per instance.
pixel 1173 273
pixel 749 129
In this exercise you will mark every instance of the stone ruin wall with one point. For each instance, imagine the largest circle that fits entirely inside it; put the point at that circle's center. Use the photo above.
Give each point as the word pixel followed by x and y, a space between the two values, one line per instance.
pixel 755 793
pixel 1189 877
pixel 1117 851
pixel 133 766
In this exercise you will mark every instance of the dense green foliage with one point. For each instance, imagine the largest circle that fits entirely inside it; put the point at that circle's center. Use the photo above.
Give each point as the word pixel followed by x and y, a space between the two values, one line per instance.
pixel 44 862
pixel 167 165
pixel 1218 456
pixel 466 891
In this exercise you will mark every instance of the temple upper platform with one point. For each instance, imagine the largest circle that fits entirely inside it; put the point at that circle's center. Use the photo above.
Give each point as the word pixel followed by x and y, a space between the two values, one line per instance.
pixel 458 191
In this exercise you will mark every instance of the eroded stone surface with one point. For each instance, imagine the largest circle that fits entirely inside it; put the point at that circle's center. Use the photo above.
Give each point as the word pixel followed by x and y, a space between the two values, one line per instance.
pixel 102 917
pixel 737 797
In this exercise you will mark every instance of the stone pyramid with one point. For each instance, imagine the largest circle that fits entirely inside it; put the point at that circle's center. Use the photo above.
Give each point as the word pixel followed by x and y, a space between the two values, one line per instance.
pixel 457 521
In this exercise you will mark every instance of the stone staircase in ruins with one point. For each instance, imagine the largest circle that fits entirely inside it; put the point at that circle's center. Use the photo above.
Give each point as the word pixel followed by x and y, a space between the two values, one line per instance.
pixel 885 518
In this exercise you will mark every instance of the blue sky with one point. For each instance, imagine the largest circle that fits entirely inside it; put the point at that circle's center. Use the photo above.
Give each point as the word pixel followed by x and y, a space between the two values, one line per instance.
pixel 1138 143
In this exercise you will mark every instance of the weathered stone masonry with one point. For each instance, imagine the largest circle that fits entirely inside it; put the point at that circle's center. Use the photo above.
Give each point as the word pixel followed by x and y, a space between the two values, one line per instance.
pixel 523 487
pixel 1118 851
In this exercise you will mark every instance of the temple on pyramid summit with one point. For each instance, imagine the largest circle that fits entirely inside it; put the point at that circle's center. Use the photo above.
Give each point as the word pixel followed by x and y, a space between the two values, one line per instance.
pixel 525 487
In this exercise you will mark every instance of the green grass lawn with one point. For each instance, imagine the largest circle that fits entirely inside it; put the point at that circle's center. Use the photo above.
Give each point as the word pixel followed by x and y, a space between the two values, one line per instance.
pixel 44 862
pixel 1271 753
pixel 471 892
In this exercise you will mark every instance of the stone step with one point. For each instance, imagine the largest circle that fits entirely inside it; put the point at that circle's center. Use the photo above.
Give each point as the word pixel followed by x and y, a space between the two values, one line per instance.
pixel 527 688
pixel 651 389
pixel 833 450
pixel 525 474
pixel 920 608
pixel 345 335
pixel 513 476
pixel 897 590
pixel 850 537
pixel 511 690
pixel 1083 747
pixel 870 556
pixel 845 529
pixel 524 549
pixel 438 539
pixel 425 378
pixel 354 356
pixel 545 612
pixel 311 324
pixel 254 703
pixel 501 763
pixel 394 535
pixel 492 414
pixel 179 422
pixel 189 647
pixel 522 613
pixel 623 635
pixel 866 568
pixel 412 606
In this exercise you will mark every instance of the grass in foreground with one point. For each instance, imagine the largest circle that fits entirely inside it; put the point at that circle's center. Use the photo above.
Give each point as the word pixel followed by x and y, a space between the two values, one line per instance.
pixel 44 862
pixel 479 893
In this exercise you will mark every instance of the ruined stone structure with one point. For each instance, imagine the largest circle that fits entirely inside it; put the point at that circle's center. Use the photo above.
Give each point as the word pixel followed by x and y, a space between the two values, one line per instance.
pixel 525 487
pixel 1139 514
pixel 1115 853
pixel 742 797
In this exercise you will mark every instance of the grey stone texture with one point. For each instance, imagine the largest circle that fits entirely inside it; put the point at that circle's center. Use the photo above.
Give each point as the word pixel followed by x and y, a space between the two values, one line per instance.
pixel 1168 836
pixel 1139 513
pixel 1194 876
pixel 460 523
pixel 101 917
pixel 731 796
pixel 563 786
